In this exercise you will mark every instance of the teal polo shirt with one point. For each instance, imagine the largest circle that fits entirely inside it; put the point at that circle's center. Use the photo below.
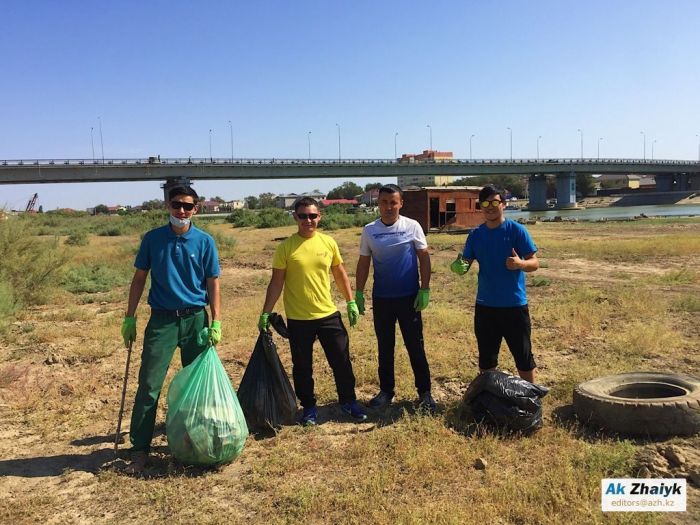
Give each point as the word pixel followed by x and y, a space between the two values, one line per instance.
pixel 179 266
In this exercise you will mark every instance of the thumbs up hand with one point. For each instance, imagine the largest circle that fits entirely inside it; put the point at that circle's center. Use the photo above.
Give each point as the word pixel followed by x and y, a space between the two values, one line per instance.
pixel 514 262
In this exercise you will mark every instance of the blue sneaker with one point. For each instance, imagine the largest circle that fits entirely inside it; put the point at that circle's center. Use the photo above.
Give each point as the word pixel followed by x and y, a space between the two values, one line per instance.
pixel 308 419
pixel 354 410
pixel 427 403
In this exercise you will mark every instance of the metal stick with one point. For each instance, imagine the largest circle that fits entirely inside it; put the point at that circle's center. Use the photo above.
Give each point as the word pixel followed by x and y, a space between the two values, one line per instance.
pixel 117 437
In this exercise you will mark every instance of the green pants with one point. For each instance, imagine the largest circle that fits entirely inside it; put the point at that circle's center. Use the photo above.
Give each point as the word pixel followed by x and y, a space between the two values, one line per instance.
pixel 164 333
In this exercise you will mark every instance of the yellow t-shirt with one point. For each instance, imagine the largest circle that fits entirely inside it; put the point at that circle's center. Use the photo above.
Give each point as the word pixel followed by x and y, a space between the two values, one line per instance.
pixel 307 284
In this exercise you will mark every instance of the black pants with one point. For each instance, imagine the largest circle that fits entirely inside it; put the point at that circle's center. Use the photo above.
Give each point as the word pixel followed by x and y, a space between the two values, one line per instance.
pixel 336 344
pixel 491 325
pixel 386 312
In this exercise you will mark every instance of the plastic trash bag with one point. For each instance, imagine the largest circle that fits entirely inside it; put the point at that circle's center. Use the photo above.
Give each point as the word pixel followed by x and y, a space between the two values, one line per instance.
pixel 505 401
pixel 205 424
pixel 265 393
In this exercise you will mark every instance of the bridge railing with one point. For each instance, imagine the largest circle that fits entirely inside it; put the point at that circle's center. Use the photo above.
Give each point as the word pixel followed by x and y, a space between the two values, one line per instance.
pixel 327 162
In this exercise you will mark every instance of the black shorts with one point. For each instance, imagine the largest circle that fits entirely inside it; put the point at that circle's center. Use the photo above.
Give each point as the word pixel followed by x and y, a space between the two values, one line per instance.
pixel 491 325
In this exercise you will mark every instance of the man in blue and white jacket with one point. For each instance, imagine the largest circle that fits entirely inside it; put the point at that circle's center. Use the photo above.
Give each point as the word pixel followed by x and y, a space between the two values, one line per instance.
pixel 396 245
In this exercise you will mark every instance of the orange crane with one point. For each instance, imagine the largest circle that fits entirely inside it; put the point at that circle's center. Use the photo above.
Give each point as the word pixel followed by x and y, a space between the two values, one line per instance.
pixel 31 204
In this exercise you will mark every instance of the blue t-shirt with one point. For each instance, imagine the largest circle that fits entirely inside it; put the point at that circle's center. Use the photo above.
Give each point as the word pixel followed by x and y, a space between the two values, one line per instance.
pixel 499 286
pixel 179 265
pixel 393 250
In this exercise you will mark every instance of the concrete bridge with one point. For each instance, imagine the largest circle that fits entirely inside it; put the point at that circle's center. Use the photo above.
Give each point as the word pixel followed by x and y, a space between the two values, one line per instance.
pixel 671 175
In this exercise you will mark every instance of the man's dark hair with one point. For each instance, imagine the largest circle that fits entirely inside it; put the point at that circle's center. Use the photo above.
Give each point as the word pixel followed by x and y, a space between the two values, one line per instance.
pixel 183 190
pixel 489 190
pixel 391 188
pixel 304 201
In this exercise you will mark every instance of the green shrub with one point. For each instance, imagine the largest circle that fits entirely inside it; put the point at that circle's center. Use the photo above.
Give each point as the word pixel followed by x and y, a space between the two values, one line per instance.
pixel 274 217
pixel 242 218
pixel 91 278
pixel 30 266
pixel 77 239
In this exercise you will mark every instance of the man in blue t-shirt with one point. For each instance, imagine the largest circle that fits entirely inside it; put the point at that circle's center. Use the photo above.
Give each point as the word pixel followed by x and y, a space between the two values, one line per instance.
pixel 396 245
pixel 184 267
pixel 504 250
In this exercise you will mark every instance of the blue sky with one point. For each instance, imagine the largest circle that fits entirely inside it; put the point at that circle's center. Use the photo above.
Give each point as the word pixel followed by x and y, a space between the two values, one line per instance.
pixel 161 74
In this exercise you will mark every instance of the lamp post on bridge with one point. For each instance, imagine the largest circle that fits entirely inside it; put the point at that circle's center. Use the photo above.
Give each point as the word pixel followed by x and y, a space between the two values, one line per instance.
pixel 538 147
pixel 581 132
pixel 511 142
pixel 644 145
pixel 308 139
pixel 431 135
pixel 599 139
pixel 470 145
pixel 102 146
pixel 211 157
pixel 92 144
pixel 396 134
pixel 652 148
pixel 338 126
pixel 230 128
pixel 698 136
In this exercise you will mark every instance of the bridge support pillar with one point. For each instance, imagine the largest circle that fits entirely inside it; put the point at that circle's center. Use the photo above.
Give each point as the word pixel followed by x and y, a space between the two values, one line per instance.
pixel 664 181
pixel 169 184
pixel 682 182
pixel 537 192
pixel 566 190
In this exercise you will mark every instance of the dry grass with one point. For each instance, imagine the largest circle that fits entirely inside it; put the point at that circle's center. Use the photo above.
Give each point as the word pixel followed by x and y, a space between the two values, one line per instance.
pixel 600 312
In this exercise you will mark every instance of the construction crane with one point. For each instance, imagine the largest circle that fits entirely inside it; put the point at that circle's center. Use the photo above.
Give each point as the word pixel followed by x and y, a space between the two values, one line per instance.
pixel 31 204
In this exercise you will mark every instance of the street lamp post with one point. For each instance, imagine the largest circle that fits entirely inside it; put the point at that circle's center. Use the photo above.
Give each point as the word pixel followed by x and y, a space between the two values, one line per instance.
pixel 230 128
pixel 308 139
pixel 338 126
pixel 396 134
pixel 581 132
pixel 102 146
pixel 652 148
pixel 92 145
pixel 431 135
pixel 211 157
pixel 510 131
pixel 698 136
pixel 599 139
pixel 538 147
pixel 470 145
pixel 644 145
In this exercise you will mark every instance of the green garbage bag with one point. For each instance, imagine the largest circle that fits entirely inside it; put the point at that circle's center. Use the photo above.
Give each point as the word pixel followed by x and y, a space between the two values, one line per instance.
pixel 205 424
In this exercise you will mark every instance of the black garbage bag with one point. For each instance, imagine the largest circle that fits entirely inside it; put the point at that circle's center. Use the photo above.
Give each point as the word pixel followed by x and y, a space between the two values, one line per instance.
pixel 265 393
pixel 507 402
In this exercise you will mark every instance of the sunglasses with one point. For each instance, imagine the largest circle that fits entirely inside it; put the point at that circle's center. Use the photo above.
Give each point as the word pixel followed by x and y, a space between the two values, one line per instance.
pixel 304 216
pixel 187 206
pixel 493 204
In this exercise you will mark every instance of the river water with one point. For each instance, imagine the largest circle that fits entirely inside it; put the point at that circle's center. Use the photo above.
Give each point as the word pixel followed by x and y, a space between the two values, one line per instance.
pixel 621 212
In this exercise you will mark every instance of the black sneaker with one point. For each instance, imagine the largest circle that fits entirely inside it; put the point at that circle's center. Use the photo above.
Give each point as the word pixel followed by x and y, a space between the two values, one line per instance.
pixel 354 410
pixel 426 402
pixel 382 399
pixel 310 416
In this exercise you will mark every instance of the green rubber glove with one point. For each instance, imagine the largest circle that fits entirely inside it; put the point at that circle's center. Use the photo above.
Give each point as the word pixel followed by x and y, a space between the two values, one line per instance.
pixel 422 299
pixel 215 333
pixel 264 322
pixel 360 300
pixel 129 330
pixel 353 312
pixel 459 265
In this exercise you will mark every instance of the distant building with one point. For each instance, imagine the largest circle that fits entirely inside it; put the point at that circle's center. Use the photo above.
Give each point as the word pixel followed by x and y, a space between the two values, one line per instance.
pixel 619 181
pixel 369 198
pixel 443 208
pixel 287 201
pixel 425 180
pixel 328 202
pixel 210 206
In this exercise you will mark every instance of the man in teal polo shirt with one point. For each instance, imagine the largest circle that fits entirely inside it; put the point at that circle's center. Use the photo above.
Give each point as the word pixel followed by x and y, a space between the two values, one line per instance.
pixel 184 266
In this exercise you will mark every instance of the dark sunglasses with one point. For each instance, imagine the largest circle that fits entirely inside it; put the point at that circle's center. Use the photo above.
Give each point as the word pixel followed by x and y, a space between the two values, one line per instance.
pixel 187 206
pixel 304 216
pixel 494 203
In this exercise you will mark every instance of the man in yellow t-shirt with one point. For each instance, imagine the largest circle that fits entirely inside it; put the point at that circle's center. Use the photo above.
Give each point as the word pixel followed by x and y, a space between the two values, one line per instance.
pixel 301 267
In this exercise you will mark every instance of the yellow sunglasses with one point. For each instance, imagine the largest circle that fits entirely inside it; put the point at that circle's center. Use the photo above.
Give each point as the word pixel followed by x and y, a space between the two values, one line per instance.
pixel 494 203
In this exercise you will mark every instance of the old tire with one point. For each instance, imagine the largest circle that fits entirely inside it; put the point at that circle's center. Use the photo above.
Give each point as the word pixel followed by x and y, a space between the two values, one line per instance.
pixel 641 404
